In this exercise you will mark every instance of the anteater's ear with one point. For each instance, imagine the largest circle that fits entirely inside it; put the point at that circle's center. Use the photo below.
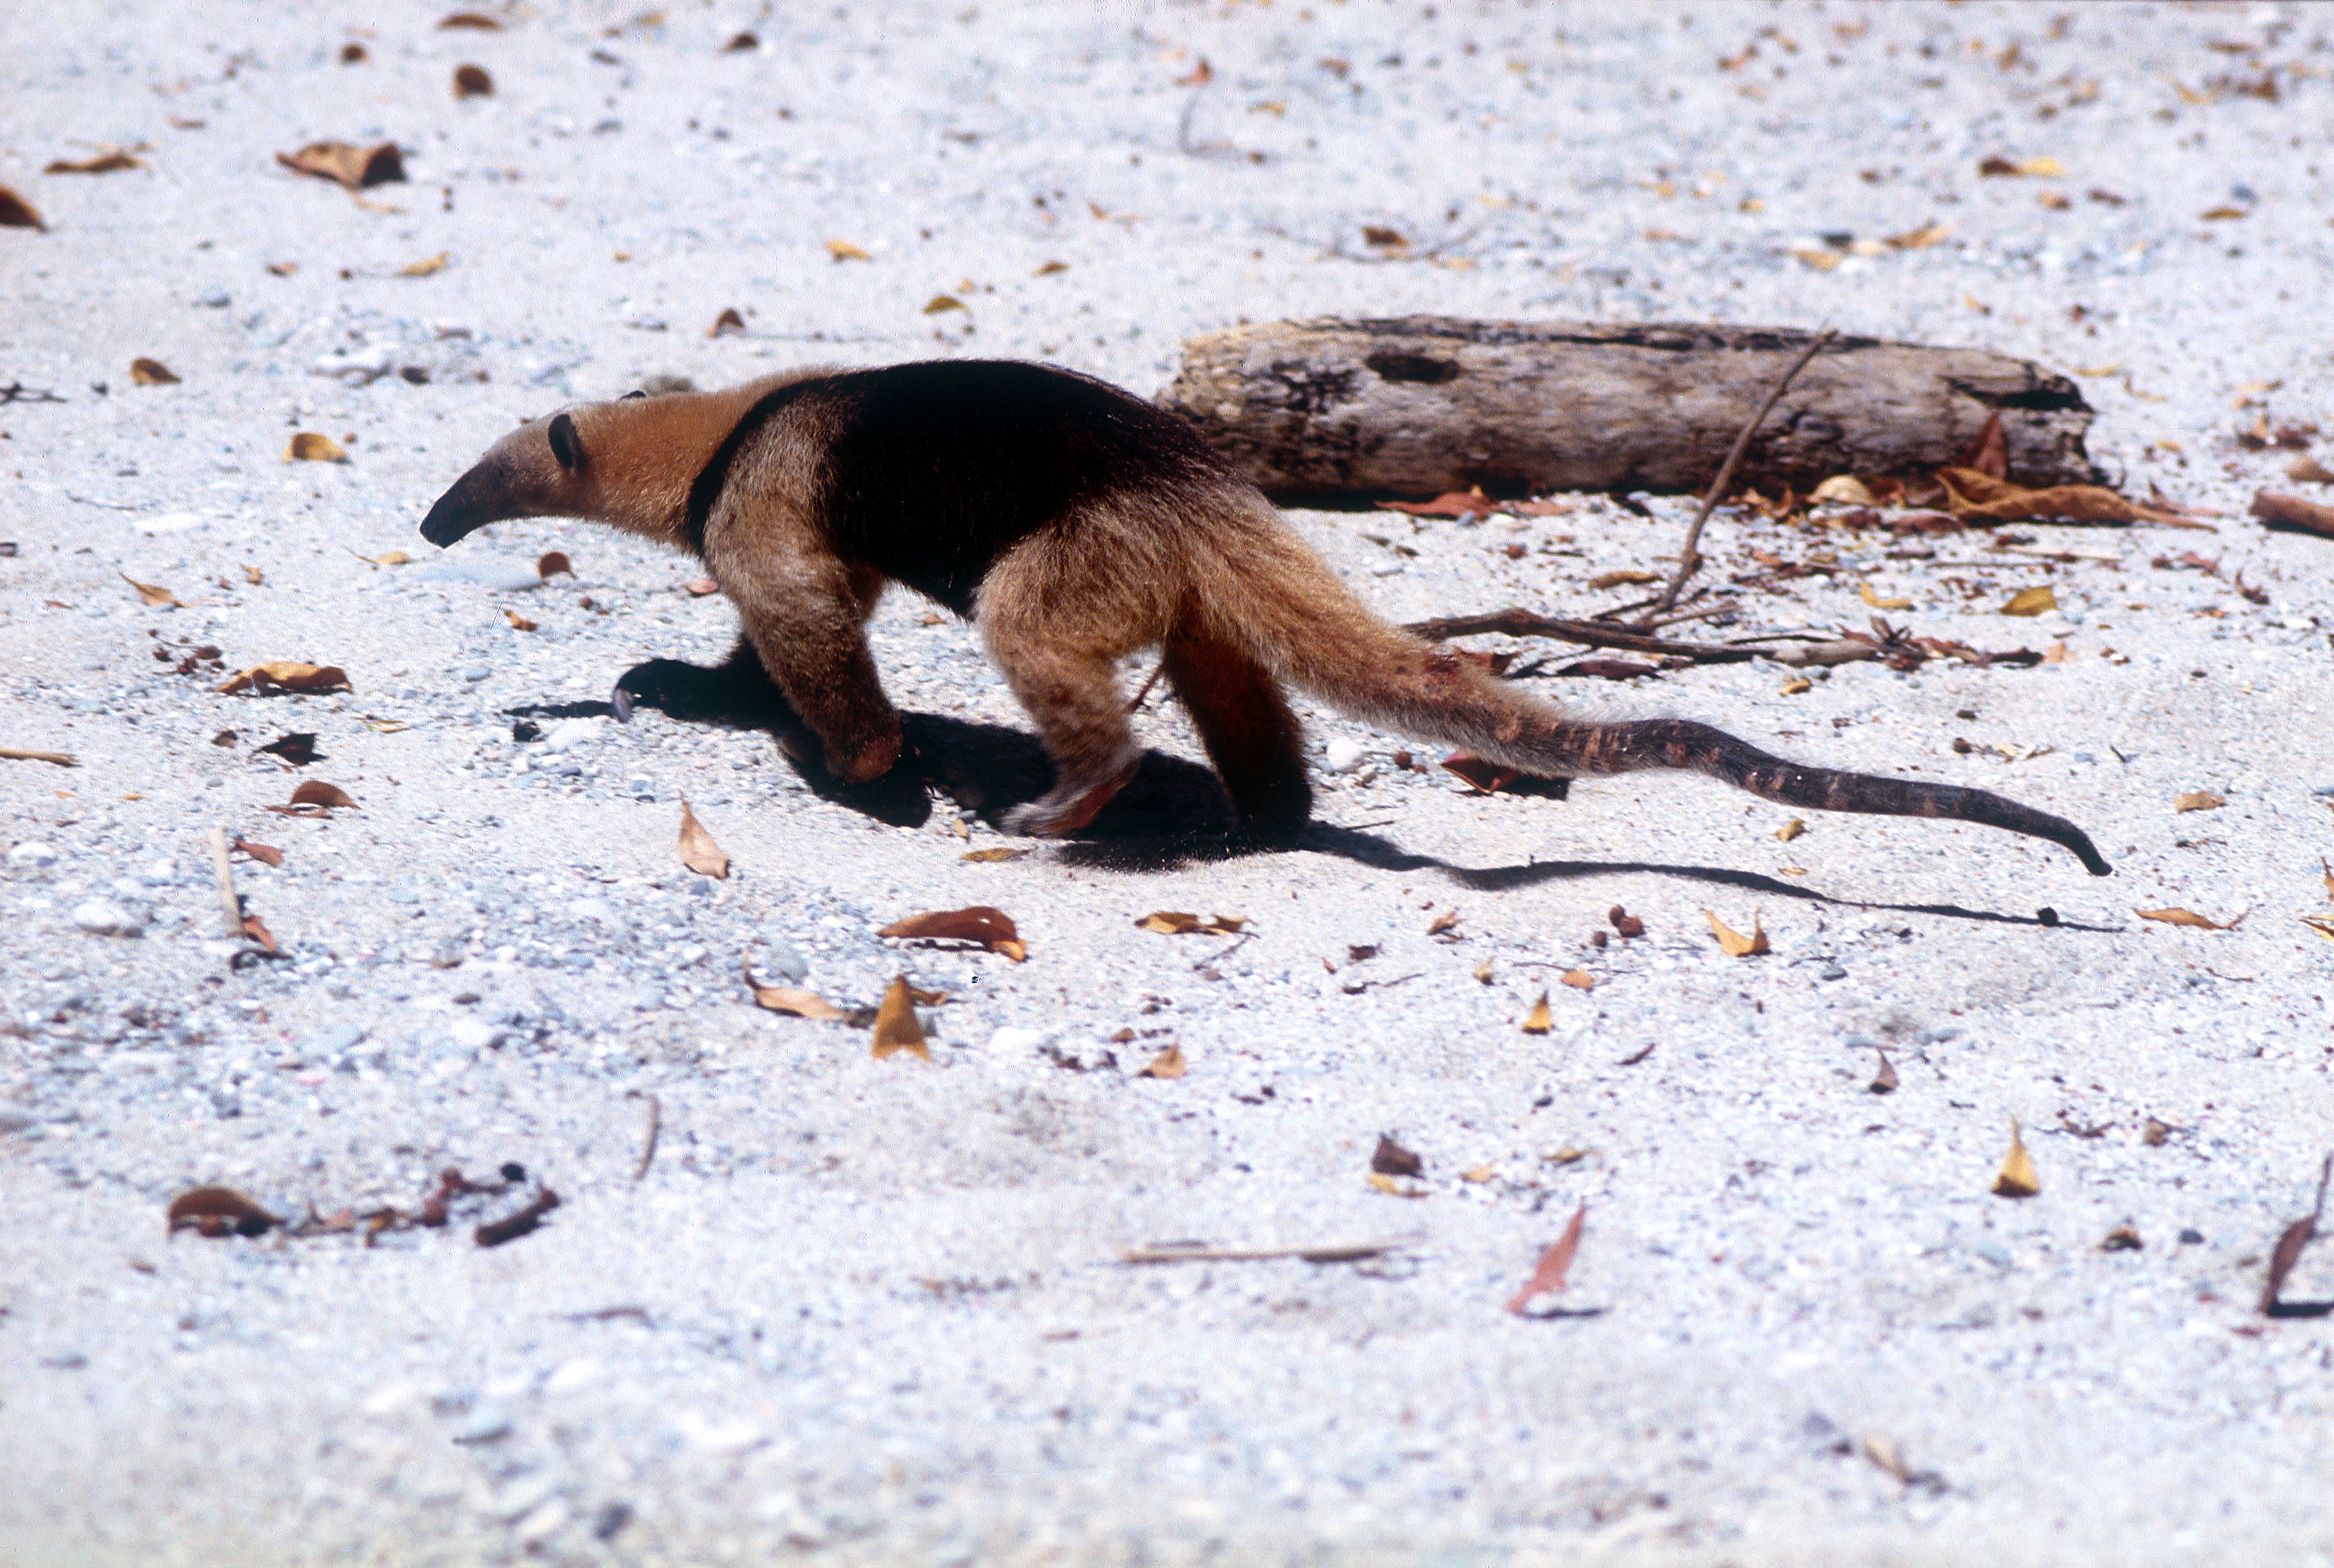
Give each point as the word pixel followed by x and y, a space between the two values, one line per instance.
pixel 565 444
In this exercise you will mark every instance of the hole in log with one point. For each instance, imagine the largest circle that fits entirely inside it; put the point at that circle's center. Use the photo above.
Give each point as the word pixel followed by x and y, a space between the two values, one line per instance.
pixel 1397 366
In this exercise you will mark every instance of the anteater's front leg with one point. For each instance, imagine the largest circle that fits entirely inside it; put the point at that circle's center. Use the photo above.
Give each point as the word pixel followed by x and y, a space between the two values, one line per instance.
pixel 804 612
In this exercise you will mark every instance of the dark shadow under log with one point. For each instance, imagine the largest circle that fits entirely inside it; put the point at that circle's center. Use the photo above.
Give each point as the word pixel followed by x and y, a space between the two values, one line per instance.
pixel 1342 410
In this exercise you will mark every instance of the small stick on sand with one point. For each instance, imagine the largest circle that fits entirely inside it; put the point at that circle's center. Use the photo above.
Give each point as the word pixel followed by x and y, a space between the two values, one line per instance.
pixel 1687 559
pixel 1345 1251
pixel 648 1154
pixel 13 754
pixel 229 905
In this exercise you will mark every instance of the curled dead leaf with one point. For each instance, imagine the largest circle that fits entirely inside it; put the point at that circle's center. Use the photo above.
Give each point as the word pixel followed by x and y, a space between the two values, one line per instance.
pixel 518 622
pixel 2288 1252
pixel 2036 601
pixel 990 857
pixel 842 250
pixel 1603 580
pixel 1733 943
pixel 1176 923
pixel 317 793
pixel 1050 268
pixel 15 212
pixel 1448 921
pixel 144 372
pixel 740 42
pixel 2197 800
pixel 938 304
pixel 265 855
pixel 2016 1178
pixel 155 598
pixel 1580 979
pixel 111 162
pixel 991 928
pixel 1884 1080
pixel 256 929
pixel 1792 829
pixel 252 575
pixel 1539 1020
pixel 308 446
pixel 728 322
pixel 698 853
pixel 472 81
pixel 475 21
pixel 355 167
pixel 2309 471
pixel 2185 918
pixel 896 1028
pixel 298 748
pixel 216 1211
pixel 425 267
pixel 1391 1159
pixel 1974 496
pixel 288 674
pixel 1554 1264
pixel 1168 1064
pixel 552 563
pixel 1794 686
pixel 1865 592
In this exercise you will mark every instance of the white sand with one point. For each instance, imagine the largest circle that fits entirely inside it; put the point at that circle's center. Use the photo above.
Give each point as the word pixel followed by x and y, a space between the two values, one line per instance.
pixel 873 1312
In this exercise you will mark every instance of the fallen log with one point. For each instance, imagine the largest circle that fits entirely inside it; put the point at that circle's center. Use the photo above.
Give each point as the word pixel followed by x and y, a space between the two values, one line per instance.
pixel 1421 405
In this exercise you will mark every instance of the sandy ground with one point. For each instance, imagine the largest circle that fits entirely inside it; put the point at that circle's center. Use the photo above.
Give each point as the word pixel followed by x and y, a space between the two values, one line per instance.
pixel 862 1311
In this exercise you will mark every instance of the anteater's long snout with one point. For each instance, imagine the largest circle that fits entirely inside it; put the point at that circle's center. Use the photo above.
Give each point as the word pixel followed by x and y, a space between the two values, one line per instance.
pixel 472 503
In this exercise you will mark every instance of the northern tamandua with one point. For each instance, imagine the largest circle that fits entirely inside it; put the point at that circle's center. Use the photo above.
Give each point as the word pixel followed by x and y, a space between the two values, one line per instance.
pixel 1076 524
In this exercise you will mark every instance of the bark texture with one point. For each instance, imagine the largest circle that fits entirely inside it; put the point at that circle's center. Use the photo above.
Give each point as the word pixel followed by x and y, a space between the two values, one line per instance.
pixel 1426 404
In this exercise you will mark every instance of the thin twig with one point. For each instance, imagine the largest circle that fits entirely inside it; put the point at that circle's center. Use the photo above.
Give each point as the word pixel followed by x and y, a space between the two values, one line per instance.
pixel 1688 560
pixel 1135 706
pixel 648 1154
pixel 230 905
pixel 1335 1251
pixel 15 753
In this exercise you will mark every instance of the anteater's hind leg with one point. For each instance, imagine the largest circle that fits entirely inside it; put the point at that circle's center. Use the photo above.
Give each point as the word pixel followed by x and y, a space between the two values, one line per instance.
pixel 1071 692
pixel 1251 737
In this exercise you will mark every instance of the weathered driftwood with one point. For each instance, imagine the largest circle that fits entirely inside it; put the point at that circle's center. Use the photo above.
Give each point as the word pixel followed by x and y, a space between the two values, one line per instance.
pixel 1426 404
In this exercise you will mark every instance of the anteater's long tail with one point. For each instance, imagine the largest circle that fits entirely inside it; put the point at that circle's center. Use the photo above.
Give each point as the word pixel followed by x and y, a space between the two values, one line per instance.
pixel 1293 616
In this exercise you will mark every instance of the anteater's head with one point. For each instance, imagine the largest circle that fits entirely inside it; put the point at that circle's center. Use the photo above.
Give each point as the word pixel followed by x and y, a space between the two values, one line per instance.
pixel 542 469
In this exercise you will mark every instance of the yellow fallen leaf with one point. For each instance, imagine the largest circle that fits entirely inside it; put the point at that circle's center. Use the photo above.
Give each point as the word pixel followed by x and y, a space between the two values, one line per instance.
pixel 797 1003
pixel 307 446
pixel 2185 918
pixel 2319 924
pixel 1823 260
pixel 1603 580
pixel 2222 213
pixel 844 250
pixel 1168 1064
pixel 896 1028
pixel 989 856
pixel 1539 1021
pixel 1580 979
pixel 1792 829
pixel 698 853
pixel 2197 800
pixel 1176 923
pixel 938 304
pixel 1446 921
pixel 1793 688
pixel 1864 591
pixel 108 162
pixel 425 267
pixel 1920 238
pixel 287 675
pixel 252 575
pixel 2017 1179
pixel 394 558
pixel 1392 1189
pixel 2042 169
pixel 157 598
pixel 1050 268
pixel 991 927
pixel 2032 602
pixel 1734 944
pixel 1845 488
pixel 152 373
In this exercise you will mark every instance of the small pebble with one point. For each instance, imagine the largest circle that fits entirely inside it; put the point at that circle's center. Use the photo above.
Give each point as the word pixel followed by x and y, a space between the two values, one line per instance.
pixel 33 855
pixel 217 299
pixel 487 1423
pixel 103 917
pixel 783 961
pixel 1832 972
pixel 1344 754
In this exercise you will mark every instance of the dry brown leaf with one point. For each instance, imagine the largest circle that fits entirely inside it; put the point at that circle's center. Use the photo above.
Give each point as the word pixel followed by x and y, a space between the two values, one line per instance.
pixel 1450 503
pixel 1446 921
pixel 394 558
pixel 2288 1252
pixel 152 373
pixel 1483 972
pixel 217 1211
pixel 1792 829
pixel 1050 268
pixel 265 855
pixel 1823 260
pixel 1920 238
pixel 107 162
pixel 288 674
pixel 298 748
pixel 477 21
pixel 308 446
pixel 1845 489
pixel 990 857
pixel 2197 800
pixel 2185 918
pixel 938 304
pixel 1973 495
pixel 1391 1159
pixel 2291 512
pixel 256 929
pixel 1168 1064
pixel 356 167
pixel 1884 1080
pixel 727 323
pixel 1176 923
pixel 2325 871
pixel 155 598
pixel 1733 943
pixel 2309 471
pixel 784 999
pixel 1554 1264
pixel 518 622
pixel 991 928
pixel 2321 924
pixel 1865 592
pixel 472 81
pixel 1539 1020
pixel 1793 688
pixel 698 853
pixel 15 212
pixel 1603 580
pixel 2036 601
pixel 2016 1178
pixel 252 575
pixel 740 42
pixel 425 267
pixel 1392 1189
pixel 844 250
pixel 552 563
pixel 2029 167
pixel 316 792
pixel 896 1028
pixel 1579 979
